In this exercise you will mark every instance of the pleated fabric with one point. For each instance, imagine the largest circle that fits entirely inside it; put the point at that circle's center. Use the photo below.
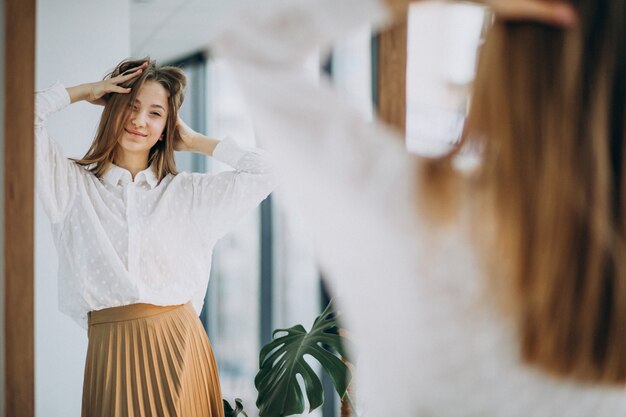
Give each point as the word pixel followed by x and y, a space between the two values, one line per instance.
pixel 150 361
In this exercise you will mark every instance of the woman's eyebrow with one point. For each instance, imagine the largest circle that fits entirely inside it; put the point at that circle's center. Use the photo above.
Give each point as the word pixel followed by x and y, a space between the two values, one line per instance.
pixel 152 105
pixel 159 106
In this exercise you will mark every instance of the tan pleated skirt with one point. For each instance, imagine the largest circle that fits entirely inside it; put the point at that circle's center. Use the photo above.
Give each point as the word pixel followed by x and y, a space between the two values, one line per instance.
pixel 150 361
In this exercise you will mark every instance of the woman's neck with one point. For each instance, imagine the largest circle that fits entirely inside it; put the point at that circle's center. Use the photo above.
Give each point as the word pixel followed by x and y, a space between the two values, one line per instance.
pixel 133 163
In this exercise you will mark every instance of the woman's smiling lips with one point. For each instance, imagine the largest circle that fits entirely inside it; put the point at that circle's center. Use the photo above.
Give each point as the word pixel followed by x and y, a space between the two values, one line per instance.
pixel 134 133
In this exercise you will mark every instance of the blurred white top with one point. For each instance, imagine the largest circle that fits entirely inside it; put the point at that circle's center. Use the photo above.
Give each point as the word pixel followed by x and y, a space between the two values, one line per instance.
pixel 430 342
pixel 121 241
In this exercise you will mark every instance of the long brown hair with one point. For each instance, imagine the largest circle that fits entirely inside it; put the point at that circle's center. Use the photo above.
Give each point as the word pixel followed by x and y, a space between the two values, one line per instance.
pixel 548 115
pixel 116 112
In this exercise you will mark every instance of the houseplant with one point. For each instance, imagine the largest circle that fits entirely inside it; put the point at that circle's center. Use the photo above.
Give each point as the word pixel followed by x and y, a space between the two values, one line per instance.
pixel 283 358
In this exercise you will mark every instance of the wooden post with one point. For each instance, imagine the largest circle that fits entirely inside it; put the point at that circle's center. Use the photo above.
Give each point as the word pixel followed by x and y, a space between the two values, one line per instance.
pixel 392 60
pixel 19 189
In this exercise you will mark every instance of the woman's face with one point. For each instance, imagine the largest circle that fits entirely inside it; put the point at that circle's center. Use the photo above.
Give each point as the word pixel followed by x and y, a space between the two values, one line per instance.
pixel 146 123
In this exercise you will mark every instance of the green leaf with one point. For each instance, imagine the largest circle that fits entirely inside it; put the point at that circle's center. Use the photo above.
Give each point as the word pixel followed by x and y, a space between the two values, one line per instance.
pixel 283 358
pixel 228 409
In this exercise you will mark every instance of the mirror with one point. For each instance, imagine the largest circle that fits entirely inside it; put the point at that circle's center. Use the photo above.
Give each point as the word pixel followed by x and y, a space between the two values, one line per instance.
pixel 264 275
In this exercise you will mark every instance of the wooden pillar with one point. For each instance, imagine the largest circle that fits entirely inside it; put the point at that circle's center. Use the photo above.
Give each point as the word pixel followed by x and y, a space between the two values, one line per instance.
pixel 391 83
pixel 19 85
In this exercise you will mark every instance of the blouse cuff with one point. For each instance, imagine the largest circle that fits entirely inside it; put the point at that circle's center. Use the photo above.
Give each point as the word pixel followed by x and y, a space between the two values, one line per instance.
pixel 52 99
pixel 229 152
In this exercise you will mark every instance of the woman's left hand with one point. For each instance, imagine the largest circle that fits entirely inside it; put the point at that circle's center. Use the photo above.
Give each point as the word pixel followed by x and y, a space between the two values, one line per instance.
pixel 557 13
pixel 185 136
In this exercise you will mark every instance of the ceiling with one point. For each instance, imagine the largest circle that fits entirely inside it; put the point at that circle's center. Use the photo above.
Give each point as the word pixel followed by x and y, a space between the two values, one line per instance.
pixel 168 30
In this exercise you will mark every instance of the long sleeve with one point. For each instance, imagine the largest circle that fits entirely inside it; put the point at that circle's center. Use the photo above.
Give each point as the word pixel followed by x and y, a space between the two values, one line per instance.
pixel 227 197
pixel 55 174
pixel 351 183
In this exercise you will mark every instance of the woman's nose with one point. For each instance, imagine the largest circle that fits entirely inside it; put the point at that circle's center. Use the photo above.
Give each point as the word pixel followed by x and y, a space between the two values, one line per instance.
pixel 137 119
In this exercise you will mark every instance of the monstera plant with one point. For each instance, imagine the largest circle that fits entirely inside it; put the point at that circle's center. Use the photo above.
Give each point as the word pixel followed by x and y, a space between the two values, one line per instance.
pixel 229 411
pixel 280 361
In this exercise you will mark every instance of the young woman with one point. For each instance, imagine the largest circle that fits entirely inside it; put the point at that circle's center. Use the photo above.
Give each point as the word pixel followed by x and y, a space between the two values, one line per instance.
pixel 499 291
pixel 134 239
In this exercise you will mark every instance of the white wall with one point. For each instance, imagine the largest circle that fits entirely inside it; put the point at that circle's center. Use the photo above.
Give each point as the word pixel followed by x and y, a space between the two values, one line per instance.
pixel 77 41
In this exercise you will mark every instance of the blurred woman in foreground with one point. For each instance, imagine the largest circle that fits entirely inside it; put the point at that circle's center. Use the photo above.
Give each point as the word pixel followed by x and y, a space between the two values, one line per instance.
pixel 499 291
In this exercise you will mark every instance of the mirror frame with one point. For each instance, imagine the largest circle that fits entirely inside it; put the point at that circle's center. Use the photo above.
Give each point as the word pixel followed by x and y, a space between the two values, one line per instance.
pixel 19 205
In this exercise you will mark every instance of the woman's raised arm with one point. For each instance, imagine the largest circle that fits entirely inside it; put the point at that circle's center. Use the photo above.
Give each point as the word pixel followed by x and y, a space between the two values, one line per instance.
pixel 96 91
pixel 188 140
pixel 56 175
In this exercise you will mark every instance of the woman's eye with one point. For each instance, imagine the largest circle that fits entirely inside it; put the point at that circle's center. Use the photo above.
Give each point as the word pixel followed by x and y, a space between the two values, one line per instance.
pixel 156 114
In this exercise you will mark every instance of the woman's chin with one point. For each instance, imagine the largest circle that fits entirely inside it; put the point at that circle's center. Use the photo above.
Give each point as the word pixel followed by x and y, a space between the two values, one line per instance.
pixel 133 146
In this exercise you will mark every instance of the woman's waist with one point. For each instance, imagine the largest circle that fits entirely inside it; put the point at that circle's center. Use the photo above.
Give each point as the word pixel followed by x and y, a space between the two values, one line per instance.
pixel 132 312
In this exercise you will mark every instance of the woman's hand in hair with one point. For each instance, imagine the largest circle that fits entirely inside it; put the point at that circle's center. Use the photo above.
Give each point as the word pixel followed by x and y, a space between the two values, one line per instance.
pixel 559 13
pixel 96 92
pixel 184 137
pixel 187 139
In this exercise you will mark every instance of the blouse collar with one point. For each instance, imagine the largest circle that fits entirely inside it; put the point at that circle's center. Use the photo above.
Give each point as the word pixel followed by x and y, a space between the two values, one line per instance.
pixel 117 175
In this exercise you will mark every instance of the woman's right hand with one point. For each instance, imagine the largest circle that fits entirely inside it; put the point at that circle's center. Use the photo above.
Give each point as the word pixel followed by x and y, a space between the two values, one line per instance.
pixel 95 92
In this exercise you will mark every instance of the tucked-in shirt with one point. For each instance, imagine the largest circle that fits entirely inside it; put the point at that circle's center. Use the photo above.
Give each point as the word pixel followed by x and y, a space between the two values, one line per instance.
pixel 122 241
pixel 431 340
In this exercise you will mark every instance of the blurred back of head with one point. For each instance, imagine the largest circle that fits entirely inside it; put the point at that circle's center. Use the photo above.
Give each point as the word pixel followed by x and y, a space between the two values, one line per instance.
pixel 548 116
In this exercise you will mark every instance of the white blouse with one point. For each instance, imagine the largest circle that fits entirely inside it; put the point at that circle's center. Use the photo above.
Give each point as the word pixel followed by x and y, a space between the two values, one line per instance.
pixel 429 339
pixel 121 241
